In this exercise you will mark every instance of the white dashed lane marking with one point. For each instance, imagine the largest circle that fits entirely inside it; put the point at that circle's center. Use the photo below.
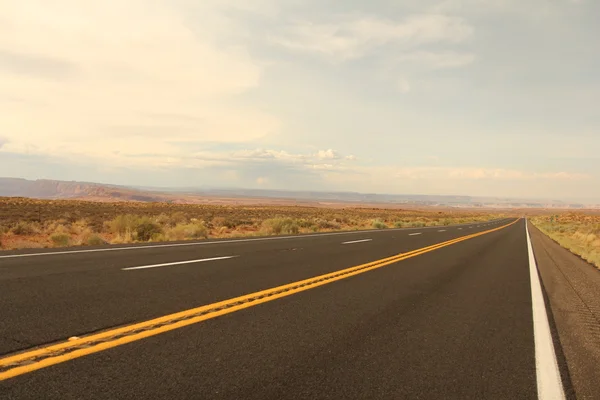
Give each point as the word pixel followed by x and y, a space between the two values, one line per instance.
pixel 178 263
pixel 358 241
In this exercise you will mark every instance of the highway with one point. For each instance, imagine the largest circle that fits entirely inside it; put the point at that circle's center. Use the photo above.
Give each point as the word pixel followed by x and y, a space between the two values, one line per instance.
pixel 453 312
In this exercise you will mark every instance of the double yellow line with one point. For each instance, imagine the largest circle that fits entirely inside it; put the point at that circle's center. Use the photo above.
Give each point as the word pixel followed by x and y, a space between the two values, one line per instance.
pixel 46 356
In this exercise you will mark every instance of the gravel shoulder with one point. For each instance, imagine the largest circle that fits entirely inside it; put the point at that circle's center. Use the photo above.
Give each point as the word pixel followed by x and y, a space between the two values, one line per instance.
pixel 573 289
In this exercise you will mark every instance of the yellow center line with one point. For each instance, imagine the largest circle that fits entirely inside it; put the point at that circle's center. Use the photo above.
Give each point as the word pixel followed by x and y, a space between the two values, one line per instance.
pixel 42 357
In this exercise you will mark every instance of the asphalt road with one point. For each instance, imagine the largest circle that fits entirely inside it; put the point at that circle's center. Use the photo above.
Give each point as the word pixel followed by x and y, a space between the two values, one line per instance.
pixel 449 322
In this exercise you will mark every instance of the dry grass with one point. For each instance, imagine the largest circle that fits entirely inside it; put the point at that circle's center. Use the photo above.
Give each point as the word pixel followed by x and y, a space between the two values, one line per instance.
pixel 580 233
pixel 26 223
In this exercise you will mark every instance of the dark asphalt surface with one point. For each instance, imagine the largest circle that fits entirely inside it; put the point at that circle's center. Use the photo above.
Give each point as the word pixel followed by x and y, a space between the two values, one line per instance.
pixel 452 323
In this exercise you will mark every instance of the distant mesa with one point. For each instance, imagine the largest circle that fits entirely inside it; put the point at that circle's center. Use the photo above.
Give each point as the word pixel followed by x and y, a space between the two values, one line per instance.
pixel 55 189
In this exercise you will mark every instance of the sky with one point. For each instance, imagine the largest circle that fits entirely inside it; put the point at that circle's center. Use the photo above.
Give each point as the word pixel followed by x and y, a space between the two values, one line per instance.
pixel 465 97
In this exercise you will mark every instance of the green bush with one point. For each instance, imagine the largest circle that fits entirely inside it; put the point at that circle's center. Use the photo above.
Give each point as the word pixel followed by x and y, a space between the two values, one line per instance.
pixel 325 224
pixel 196 230
pixel 304 223
pixel 378 224
pixel 178 217
pixel 25 228
pixel 123 224
pixel 175 233
pixel 399 224
pixel 61 239
pixel 280 226
pixel 340 219
pixel 95 240
pixel 78 227
pixel 163 219
pixel 146 229
pixel 159 237
pixel 193 230
pixel 228 222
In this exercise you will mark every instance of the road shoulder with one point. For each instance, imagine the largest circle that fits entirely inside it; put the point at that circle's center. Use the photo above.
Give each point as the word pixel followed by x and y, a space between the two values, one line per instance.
pixel 573 289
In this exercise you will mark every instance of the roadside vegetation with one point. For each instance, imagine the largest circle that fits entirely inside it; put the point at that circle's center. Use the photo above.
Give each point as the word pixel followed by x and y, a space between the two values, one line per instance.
pixel 28 223
pixel 580 233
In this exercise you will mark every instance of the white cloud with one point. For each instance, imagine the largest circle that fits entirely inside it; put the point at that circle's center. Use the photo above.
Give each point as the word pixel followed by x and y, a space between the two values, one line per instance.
pixel 268 154
pixel 278 156
pixel 281 155
pixel 95 76
pixel 354 36
pixel 164 160
pixel 327 155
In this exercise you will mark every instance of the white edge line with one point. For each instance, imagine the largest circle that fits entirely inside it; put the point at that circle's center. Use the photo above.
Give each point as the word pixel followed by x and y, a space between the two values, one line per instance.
pixel 414 234
pixel 56 253
pixel 549 383
pixel 358 241
pixel 177 263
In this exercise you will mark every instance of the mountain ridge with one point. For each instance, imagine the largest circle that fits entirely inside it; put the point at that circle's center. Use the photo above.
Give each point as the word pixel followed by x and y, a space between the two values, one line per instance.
pixel 57 189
